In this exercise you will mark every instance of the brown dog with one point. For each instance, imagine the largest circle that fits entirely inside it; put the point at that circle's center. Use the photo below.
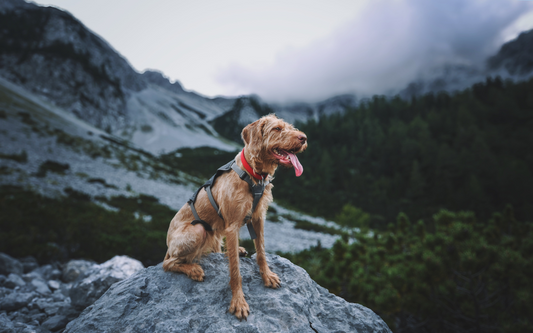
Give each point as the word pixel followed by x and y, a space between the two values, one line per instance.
pixel 269 142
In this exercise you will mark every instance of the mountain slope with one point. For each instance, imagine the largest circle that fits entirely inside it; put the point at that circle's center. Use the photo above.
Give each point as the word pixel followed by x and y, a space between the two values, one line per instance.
pixel 515 56
pixel 52 54
pixel 513 61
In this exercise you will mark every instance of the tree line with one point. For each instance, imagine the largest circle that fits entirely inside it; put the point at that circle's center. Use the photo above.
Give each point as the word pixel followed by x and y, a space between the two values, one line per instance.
pixel 466 151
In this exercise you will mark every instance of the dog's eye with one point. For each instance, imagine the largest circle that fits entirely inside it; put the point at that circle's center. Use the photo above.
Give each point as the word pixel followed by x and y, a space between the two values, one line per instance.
pixel 277 129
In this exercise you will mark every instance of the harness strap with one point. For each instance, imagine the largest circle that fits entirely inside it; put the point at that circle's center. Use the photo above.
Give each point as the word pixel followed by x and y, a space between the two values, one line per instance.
pixel 212 200
pixel 256 189
pixel 206 225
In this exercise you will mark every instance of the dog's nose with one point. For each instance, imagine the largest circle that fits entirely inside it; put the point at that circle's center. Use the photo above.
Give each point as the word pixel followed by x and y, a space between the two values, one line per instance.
pixel 302 138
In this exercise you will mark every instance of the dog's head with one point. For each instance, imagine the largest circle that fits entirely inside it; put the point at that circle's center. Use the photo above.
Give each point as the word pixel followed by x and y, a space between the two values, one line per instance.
pixel 270 142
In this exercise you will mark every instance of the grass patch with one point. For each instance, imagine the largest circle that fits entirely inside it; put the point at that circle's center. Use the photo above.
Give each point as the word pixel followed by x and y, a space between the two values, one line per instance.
pixel 21 158
pixel 309 226
pixel 102 182
pixel 52 166
pixel 75 227
pixel 249 245
pixel 201 162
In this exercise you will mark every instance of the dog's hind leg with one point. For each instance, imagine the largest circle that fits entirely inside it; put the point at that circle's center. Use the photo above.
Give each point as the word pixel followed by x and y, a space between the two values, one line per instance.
pixel 183 248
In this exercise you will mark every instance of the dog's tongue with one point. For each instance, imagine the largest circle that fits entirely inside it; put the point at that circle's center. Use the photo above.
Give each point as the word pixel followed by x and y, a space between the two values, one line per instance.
pixel 298 168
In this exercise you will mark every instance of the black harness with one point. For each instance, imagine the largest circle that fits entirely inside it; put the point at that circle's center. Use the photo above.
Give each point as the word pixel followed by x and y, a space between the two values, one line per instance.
pixel 256 189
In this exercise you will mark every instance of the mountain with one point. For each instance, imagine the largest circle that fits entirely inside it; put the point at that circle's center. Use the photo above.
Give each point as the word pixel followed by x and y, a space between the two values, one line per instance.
pixel 47 151
pixel 249 108
pixel 513 61
pixel 50 53
pixel 515 56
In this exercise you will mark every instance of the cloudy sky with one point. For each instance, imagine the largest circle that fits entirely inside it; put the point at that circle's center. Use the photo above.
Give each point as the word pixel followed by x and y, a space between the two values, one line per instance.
pixel 300 49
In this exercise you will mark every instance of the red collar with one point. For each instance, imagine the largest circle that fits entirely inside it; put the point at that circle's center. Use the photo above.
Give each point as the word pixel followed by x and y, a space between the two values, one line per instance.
pixel 249 168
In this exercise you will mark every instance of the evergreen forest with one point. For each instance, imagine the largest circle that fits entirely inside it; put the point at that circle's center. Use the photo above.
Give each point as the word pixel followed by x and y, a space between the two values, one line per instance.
pixel 470 150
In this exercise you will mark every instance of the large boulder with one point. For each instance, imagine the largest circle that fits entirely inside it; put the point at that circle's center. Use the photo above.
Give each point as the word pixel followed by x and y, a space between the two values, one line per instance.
pixel 157 301
pixel 99 278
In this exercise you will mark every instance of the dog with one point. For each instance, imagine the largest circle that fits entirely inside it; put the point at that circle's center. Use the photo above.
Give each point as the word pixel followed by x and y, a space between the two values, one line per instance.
pixel 269 143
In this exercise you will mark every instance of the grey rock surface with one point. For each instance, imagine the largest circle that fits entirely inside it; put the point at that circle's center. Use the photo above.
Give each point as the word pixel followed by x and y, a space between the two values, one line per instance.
pixel 14 280
pixel 15 301
pixel 55 323
pixel 9 265
pixel 100 277
pixel 75 268
pixel 5 324
pixel 41 287
pixel 156 301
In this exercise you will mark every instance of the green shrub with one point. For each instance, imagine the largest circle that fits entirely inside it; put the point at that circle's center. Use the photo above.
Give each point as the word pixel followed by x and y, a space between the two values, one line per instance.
pixel 22 157
pixel 464 276
pixel 76 227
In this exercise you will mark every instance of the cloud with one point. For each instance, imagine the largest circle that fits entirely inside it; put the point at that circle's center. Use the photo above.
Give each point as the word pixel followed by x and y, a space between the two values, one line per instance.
pixel 385 47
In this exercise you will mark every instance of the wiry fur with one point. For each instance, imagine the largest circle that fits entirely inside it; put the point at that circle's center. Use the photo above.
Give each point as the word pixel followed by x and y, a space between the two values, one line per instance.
pixel 187 243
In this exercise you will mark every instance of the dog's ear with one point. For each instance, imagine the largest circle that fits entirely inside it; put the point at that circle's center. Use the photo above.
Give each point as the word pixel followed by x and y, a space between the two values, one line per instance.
pixel 253 133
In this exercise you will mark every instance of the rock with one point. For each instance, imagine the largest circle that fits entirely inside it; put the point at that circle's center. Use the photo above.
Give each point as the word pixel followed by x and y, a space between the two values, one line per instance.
pixel 65 289
pixel 31 276
pixel 37 316
pixel 99 278
pixel 10 265
pixel 41 287
pixel 54 284
pixel 55 323
pixel 58 296
pixel 13 280
pixel 15 301
pixel 6 326
pixel 29 264
pixel 157 301
pixel 75 268
pixel 49 272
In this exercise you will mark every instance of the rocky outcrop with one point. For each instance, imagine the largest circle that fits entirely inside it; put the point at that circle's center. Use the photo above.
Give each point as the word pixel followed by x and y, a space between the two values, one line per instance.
pixel 39 300
pixel 99 278
pixel 516 56
pixel 156 301
pixel 49 52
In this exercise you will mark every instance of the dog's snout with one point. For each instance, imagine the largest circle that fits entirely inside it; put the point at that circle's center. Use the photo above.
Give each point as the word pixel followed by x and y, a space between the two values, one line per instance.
pixel 302 138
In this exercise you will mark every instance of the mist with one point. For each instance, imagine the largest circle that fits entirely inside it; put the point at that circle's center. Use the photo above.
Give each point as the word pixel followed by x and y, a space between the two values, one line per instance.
pixel 386 46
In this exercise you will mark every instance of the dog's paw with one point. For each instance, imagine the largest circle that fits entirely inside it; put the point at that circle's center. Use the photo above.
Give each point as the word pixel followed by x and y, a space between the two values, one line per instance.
pixel 242 252
pixel 271 279
pixel 196 273
pixel 239 307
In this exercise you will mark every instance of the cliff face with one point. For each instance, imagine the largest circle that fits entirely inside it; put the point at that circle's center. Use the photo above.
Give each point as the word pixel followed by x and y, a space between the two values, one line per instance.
pixel 50 52
pixel 157 301
pixel 515 56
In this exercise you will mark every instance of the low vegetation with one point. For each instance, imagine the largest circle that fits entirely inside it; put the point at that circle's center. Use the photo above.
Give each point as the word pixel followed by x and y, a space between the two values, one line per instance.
pixel 76 227
pixel 459 274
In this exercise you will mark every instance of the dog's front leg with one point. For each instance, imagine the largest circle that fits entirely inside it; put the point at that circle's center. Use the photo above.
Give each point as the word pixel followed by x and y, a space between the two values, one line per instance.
pixel 238 305
pixel 270 278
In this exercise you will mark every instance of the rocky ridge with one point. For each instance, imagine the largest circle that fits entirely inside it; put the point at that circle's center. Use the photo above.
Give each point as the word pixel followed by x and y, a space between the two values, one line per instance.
pixel 156 301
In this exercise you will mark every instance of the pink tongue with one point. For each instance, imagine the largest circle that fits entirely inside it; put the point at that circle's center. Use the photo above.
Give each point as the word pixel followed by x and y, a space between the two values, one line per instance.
pixel 298 168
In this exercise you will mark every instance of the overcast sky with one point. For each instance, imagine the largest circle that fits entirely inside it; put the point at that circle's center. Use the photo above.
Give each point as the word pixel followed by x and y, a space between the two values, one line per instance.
pixel 294 50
